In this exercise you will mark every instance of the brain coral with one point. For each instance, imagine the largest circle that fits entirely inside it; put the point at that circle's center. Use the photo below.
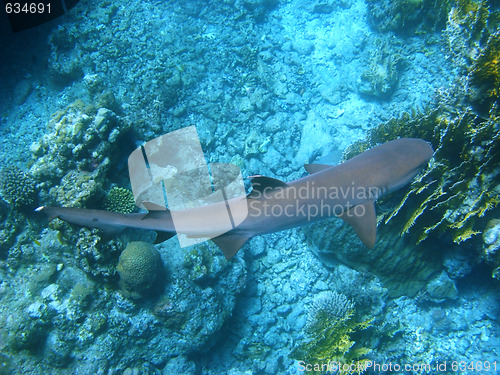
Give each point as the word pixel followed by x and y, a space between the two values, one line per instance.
pixel 139 267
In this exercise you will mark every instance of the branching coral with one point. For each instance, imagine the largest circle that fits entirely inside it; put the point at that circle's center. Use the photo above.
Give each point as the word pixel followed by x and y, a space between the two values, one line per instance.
pixel 485 72
pixel 468 27
pixel 18 188
pixel 331 327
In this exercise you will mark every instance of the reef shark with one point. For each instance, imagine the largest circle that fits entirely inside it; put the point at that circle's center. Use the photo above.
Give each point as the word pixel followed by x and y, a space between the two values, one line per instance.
pixel 347 190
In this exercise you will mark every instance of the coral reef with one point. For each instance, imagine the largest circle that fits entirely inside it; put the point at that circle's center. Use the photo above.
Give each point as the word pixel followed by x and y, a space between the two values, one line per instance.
pixel 457 193
pixel 204 262
pixel 471 40
pixel 10 228
pixel 380 78
pixel 331 327
pixel 491 246
pixel 120 200
pixel 408 17
pixel 96 257
pixel 73 159
pixel 140 267
pixel 18 188
pixel 460 186
pixel 485 73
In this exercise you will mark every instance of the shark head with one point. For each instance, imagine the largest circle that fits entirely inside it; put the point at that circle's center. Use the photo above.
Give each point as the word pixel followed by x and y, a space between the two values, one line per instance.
pixel 408 156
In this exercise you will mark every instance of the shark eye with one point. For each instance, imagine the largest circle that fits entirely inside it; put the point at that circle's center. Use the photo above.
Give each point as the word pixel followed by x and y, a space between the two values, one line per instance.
pixel 95 220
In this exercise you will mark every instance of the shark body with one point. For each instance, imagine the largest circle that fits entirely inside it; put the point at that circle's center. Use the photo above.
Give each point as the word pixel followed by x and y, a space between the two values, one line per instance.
pixel 347 190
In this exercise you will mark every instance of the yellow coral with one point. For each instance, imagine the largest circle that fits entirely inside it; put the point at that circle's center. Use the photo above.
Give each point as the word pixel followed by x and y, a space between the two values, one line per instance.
pixel 331 328
pixel 486 69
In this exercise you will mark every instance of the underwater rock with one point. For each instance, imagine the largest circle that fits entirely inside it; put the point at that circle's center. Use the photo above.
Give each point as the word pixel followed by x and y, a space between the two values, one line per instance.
pixel 491 247
pixel 258 9
pixel 61 39
pixel 408 17
pixel 204 262
pixel 74 158
pixel 380 78
pixel 315 140
pixel 22 90
pixel 472 40
pixel 140 267
pixel 328 6
pixel 9 230
pixel 56 352
pixel 403 267
pixel 65 68
pixel 303 46
pixel 78 188
pixel 442 288
pixel 180 365
pixel 65 64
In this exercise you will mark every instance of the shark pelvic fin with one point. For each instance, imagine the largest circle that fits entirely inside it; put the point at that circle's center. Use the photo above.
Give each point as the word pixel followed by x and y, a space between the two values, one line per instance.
pixel 315 168
pixel 364 222
pixel 230 243
pixel 109 234
pixel 262 184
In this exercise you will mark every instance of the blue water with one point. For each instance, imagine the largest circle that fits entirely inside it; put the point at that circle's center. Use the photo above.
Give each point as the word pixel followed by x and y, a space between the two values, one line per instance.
pixel 270 86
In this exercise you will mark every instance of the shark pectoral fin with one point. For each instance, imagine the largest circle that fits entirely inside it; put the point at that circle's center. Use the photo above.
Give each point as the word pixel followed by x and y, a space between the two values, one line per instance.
pixel 364 222
pixel 230 243
pixel 162 236
pixel 263 184
pixel 315 168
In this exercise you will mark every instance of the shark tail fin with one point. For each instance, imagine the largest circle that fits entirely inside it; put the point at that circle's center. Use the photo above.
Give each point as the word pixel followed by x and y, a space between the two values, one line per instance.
pixel 364 222
pixel 230 243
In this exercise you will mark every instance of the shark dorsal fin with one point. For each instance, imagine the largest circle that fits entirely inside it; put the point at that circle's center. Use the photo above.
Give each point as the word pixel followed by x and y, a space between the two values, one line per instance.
pixel 315 168
pixel 263 184
pixel 155 211
pixel 364 222
pixel 150 206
